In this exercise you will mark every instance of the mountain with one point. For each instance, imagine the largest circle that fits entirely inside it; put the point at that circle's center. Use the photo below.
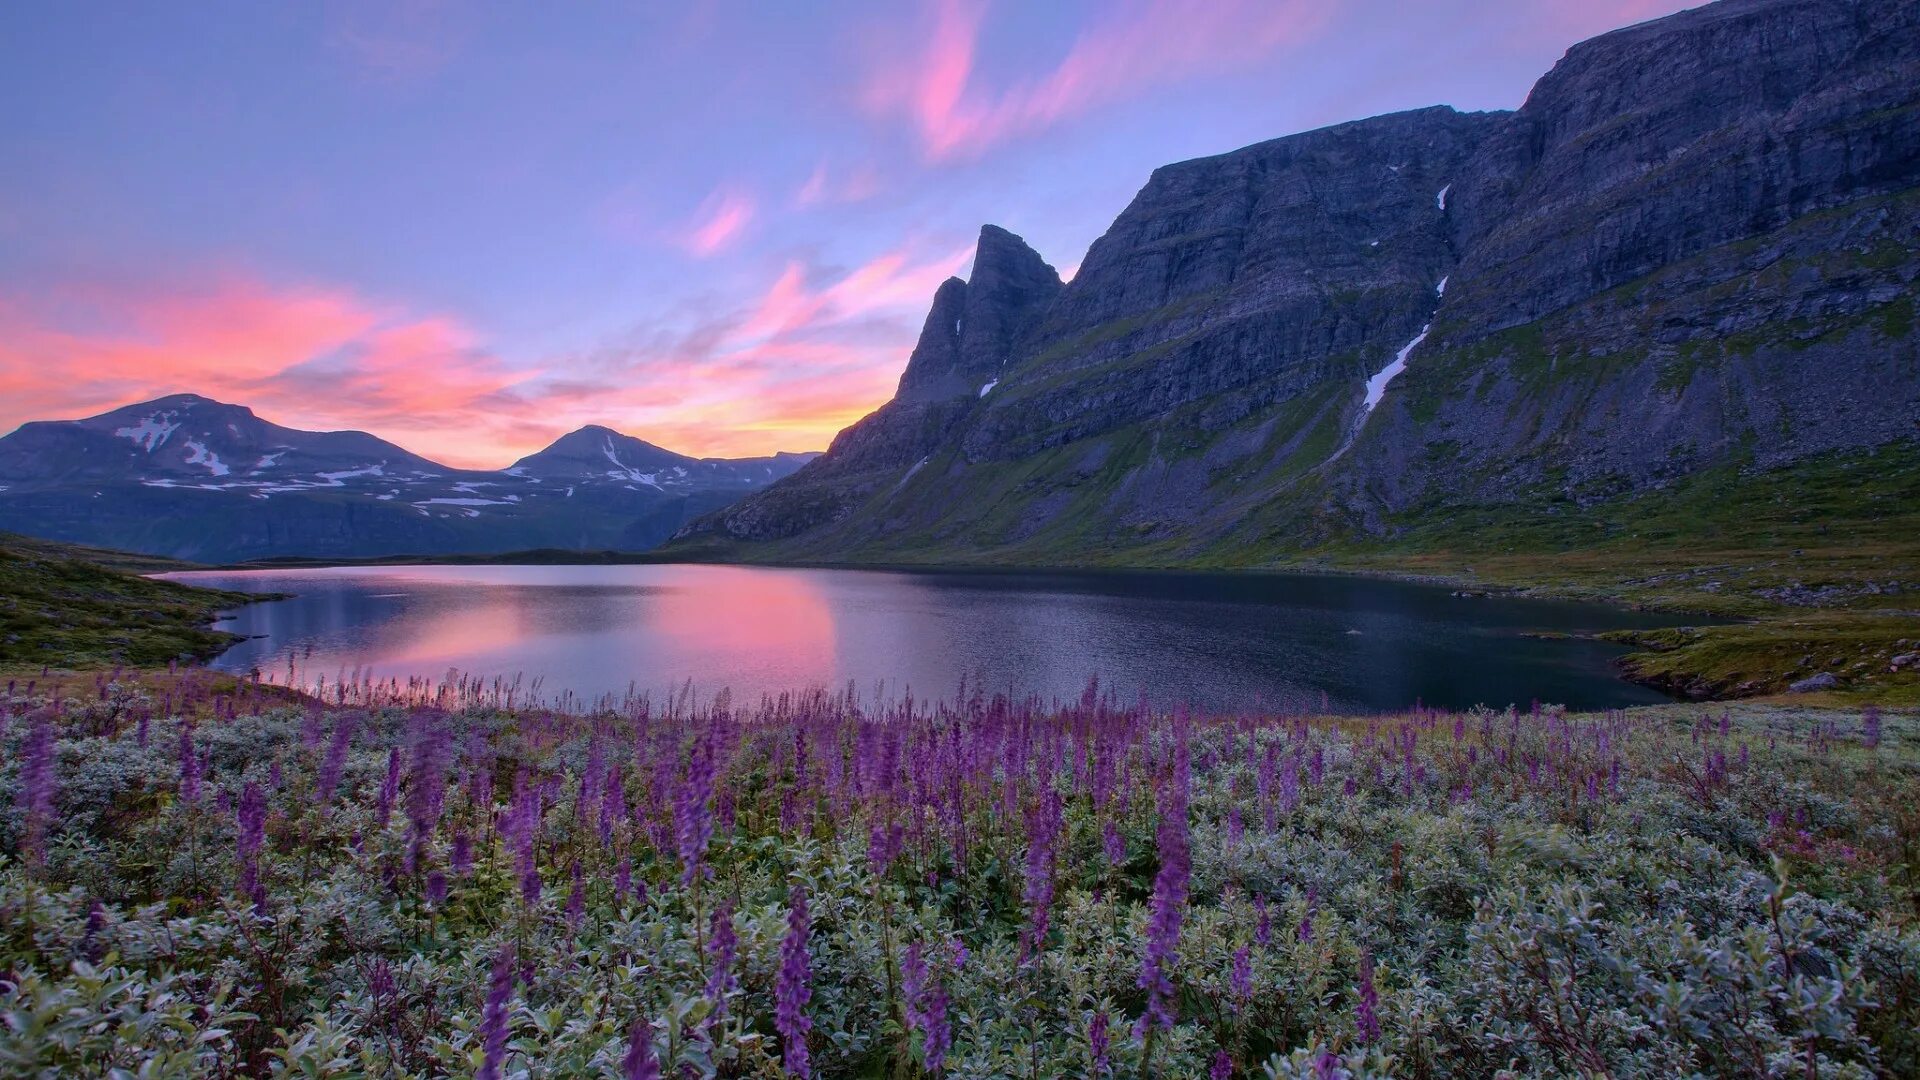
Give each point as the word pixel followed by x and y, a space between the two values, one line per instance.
pixel 595 454
pixel 188 477
pixel 1692 251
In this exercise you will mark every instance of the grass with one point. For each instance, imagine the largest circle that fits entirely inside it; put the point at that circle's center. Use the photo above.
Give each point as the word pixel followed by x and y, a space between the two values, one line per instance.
pixel 74 608
pixel 1768 655
pixel 1823 559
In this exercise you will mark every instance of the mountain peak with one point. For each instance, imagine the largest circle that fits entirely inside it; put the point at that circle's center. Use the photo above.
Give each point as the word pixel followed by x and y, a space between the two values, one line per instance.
pixel 178 402
pixel 973 325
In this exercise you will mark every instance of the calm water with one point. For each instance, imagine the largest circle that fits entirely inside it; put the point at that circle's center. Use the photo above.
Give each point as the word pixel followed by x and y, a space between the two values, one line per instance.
pixel 1213 640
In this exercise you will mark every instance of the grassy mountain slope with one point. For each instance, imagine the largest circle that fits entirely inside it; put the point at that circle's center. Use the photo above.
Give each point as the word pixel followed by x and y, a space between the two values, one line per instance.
pixel 63 606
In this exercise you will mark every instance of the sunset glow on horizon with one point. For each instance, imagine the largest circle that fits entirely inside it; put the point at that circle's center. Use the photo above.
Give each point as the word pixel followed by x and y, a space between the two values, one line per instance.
pixel 469 230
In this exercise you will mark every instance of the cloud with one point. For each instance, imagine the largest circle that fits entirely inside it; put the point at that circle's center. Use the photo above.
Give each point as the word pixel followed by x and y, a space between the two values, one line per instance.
pixel 719 222
pixel 394 41
pixel 825 186
pixel 1147 43
pixel 816 349
pixel 313 357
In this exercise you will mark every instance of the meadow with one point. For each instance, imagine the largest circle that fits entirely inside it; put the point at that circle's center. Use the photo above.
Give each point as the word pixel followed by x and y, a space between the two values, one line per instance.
pixel 203 877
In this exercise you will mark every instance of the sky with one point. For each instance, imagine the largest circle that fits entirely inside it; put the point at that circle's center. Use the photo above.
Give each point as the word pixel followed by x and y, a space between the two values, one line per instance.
pixel 471 228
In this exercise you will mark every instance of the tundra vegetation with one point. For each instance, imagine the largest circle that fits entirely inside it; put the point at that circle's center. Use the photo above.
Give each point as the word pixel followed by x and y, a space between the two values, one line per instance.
pixel 207 878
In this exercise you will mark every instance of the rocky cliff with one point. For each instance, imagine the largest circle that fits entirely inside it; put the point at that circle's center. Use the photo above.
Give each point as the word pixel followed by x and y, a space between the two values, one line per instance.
pixel 1694 245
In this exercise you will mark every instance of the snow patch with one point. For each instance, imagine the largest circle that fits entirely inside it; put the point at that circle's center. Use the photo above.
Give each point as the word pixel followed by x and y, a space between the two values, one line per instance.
pixel 1441 289
pixel 1440 200
pixel 460 502
pixel 333 479
pixel 268 461
pixel 626 471
pixel 991 383
pixel 198 454
pixel 1377 386
pixel 152 433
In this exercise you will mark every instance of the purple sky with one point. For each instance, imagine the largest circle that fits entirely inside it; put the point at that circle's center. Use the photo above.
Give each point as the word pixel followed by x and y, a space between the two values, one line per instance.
pixel 469 228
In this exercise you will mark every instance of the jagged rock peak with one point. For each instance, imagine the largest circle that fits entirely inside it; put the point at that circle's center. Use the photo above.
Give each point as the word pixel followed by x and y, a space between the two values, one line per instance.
pixel 974 324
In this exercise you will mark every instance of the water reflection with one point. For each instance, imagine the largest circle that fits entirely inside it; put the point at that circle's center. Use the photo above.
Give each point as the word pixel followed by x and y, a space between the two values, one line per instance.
pixel 1223 641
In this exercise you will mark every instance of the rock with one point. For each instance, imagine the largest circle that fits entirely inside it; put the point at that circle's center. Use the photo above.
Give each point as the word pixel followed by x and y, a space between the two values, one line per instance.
pixel 1903 660
pixel 1823 681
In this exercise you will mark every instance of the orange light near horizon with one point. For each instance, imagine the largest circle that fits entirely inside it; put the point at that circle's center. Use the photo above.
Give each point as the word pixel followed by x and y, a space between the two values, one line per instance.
pixel 785 372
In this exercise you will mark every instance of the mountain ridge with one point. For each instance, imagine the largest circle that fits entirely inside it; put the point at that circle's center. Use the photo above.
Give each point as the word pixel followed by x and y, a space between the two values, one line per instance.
pixel 1694 245
pixel 190 477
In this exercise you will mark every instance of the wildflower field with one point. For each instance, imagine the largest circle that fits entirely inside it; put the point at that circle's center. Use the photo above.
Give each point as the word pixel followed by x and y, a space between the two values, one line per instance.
pixel 205 878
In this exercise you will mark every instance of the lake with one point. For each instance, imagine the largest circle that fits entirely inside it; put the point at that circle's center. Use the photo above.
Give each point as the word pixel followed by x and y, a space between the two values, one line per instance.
pixel 1218 641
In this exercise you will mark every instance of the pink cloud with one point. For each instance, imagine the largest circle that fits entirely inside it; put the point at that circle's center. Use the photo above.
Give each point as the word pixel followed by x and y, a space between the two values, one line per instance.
pixel 1148 42
pixel 304 356
pixel 818 348
pixel 826 186
pixel 719 222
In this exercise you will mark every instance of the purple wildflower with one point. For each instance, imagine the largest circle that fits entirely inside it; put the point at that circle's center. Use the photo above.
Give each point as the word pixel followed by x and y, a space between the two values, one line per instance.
pixel 1222 1066
pixel 1242 976
pixel 389 790
pixel 1097 1042
pixel 493 1018
pixel 793 990
pixel 1043 826
pixel 640 1063
pixel 691 815
pixel 426 784
pixel 722 944
pixel 926 1006
pixel 1169 901
pixel 1366 1015
pixel 884 842
pixel 523 821
pixel 249 835
pixel 336 759
pixel 1263 924
pixel 35 797
pixel 436 887
pixel 189 765
pixel 1112 844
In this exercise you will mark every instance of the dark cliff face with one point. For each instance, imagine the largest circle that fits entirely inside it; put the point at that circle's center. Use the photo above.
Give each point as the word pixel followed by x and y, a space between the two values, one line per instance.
pixel 1263 271
pixel 1658 142
pixel 1708 248
pixel 1696 243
